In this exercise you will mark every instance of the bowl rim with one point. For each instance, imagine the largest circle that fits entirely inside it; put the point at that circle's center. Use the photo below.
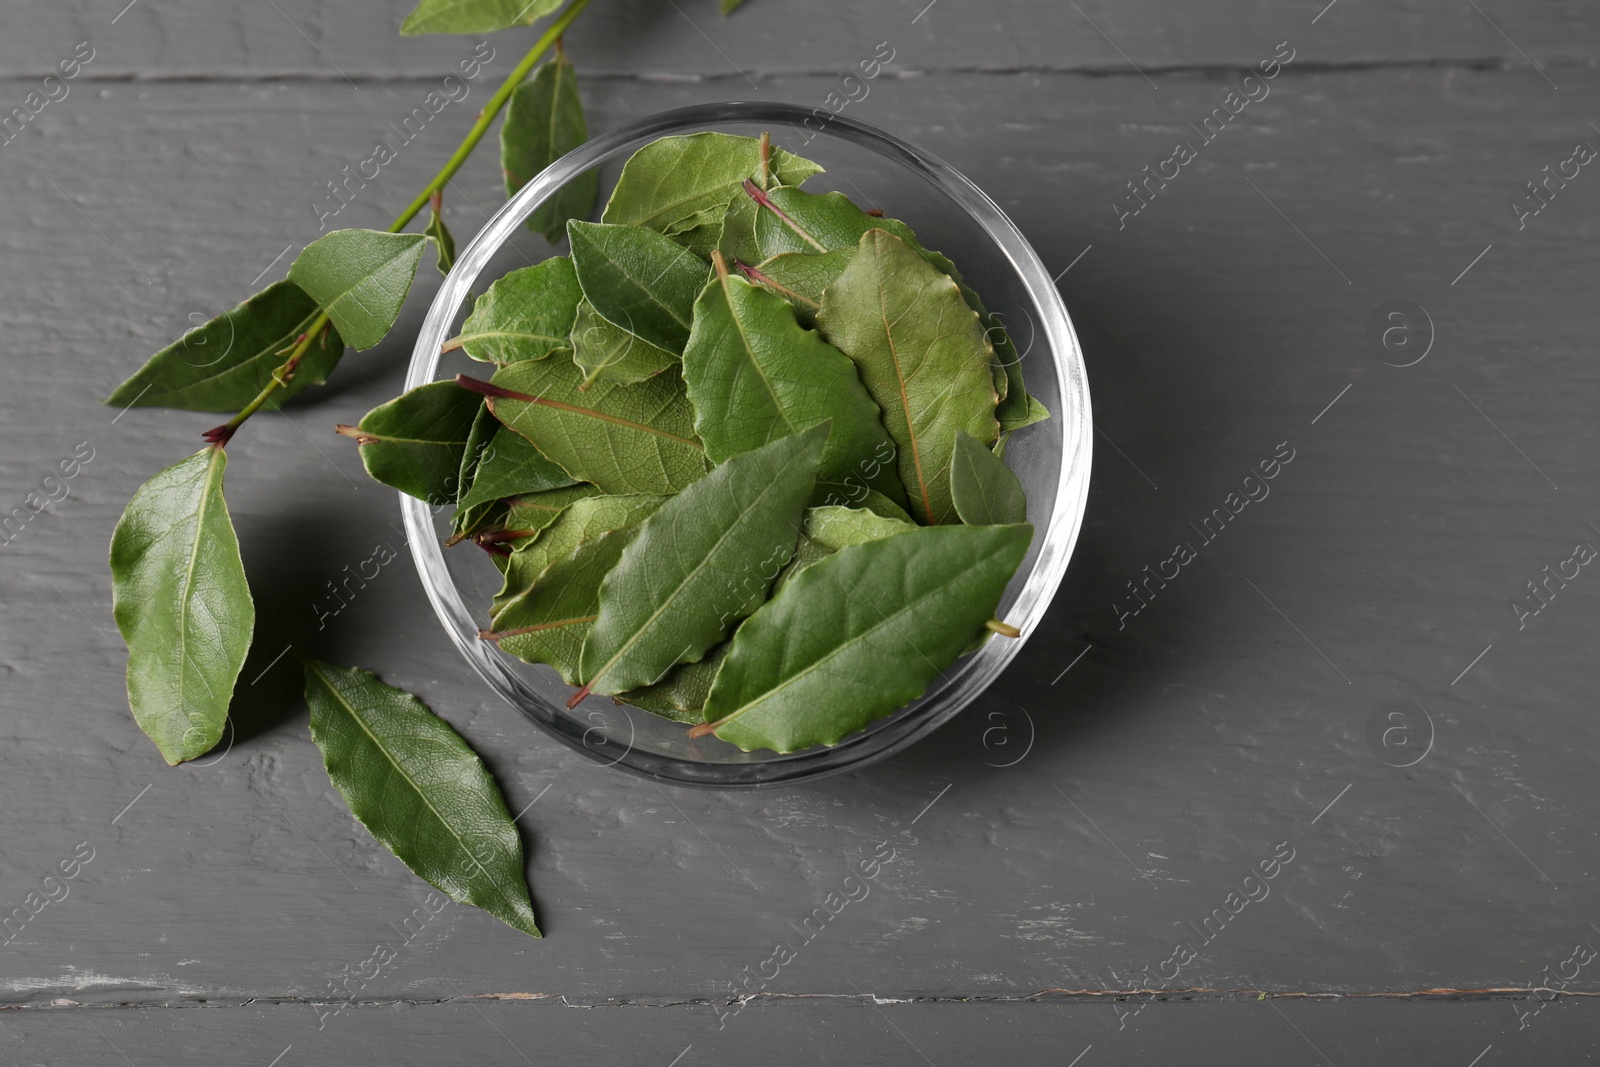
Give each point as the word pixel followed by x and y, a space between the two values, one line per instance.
pixel 969 676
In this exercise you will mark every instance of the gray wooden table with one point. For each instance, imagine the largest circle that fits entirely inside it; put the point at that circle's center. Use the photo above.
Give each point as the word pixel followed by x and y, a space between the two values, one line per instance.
pixel 1348 683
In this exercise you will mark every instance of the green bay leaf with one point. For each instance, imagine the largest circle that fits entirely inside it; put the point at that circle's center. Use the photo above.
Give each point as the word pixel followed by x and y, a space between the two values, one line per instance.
pixel 360 278
pixel 828 528
pixel 508 466
pixel 578 520
pixel 635 438
pixel 544 121
pixel 704 560
pixel 680 184
pixel 793 220
pixel 526 314
pixel 528 515
pixel 681 693
pixel 923 357
pixel 1017 407
pixel 790 225
pixel 474 16
pixel 416 442
pixel 860 634
pixel 638 279
pixel 444 243
pixel 801 277
pixel 754 374
pixel 183 605
pixel 604 350
pixel 424 795
pixel 983 489
pixel 222 364
pixel 834 527
pixel 871 501
pixel 466 519
pixel 548 624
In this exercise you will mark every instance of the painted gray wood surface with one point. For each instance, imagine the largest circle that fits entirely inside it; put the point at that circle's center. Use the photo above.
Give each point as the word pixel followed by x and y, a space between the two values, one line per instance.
pixel 1082 823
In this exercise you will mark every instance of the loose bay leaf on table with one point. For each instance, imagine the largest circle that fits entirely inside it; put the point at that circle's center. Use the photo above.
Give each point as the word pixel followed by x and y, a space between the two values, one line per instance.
pixel 984 491
pixel 604 350
pixel 676 184
pixel 415 442
pixel 413 782
pixel 923 357
pixel 638 279
pixel 699 564
pixel 183 605
pixel 580 520
pixel 223 364
pixel 527 314
pixel 624 438
pixel 360 278
pixel 860 634
pixel 474 16
pixel 544 121
pixel 754 374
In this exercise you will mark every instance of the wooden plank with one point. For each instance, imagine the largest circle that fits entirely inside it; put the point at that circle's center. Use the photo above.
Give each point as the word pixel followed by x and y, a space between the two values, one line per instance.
pixel 639 38
pixel 842 1027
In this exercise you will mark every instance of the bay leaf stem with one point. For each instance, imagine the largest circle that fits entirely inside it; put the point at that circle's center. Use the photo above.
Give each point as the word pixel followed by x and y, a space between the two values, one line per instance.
pixel 552 35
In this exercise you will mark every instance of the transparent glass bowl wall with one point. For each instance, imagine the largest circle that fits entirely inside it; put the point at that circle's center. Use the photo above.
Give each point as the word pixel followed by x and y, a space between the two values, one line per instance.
pixel 1052 458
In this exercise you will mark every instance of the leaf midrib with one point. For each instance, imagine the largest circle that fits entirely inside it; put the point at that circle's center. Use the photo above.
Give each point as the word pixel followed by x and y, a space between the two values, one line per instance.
pixel 666 601
pixel 403 248
pixel 268 351
pixel 750 352
pixel 647 288
pixel 900 381
pixel 384 439
pixel 213 468
pixel 884 621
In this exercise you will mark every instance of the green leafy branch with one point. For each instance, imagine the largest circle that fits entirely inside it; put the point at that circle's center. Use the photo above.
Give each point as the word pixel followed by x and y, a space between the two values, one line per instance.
pixel 180 595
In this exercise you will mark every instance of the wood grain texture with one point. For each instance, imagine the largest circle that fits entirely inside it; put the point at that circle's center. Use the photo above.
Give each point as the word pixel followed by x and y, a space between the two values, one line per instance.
pixel 643 39
pixel 1167 762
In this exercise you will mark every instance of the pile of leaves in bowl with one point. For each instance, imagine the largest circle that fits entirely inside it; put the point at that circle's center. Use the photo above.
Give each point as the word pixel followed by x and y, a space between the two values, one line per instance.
pixel 737 456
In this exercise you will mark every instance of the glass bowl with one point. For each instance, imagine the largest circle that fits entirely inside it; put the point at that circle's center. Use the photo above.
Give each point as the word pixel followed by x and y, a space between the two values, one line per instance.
pixel 1052 458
